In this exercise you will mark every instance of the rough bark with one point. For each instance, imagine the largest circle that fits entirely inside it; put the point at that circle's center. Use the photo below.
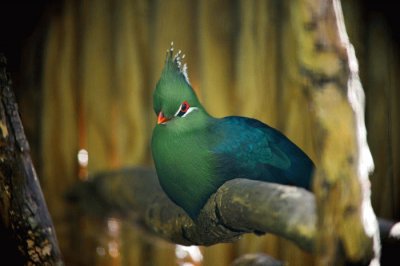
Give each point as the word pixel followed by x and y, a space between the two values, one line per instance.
pixel 328 68
pixel 239 206
pixel 26 228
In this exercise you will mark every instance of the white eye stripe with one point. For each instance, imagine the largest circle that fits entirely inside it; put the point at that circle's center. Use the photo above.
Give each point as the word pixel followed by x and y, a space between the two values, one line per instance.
pixel 179 109
pixel 191 109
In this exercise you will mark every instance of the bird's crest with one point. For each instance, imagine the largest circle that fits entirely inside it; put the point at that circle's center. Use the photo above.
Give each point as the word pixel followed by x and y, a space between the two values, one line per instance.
pixel 176 61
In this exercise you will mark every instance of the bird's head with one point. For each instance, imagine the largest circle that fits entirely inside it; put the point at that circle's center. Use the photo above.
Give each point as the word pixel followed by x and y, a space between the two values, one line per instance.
pixel 174 97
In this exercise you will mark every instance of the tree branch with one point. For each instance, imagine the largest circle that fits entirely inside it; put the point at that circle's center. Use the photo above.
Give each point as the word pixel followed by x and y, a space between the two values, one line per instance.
pixel 239 206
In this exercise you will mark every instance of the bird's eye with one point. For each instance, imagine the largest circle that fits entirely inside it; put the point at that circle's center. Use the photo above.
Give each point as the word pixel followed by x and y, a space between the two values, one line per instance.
pixel 183 109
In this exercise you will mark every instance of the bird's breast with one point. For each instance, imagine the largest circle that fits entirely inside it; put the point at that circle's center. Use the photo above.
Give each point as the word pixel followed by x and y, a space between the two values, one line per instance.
pixel 184 167
pixel 179 156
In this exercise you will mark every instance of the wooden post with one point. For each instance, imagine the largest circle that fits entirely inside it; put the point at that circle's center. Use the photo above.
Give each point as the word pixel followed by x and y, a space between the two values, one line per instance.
pixel 27 232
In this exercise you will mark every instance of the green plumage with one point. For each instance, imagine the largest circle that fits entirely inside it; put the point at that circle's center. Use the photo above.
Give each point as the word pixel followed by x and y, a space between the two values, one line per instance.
pixel 195 153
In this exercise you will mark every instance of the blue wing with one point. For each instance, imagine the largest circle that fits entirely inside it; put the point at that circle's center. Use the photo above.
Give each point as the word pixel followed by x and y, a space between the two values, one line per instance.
pixel 247 148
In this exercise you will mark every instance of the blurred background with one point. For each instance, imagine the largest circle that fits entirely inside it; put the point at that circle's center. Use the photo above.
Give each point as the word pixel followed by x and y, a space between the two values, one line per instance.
pixel 84 72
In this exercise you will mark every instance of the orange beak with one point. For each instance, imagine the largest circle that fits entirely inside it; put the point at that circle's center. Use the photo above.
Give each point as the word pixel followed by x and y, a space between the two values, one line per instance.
pixel 161 119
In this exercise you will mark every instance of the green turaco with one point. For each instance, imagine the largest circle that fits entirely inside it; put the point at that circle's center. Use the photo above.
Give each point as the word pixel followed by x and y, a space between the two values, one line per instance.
pixel 195 153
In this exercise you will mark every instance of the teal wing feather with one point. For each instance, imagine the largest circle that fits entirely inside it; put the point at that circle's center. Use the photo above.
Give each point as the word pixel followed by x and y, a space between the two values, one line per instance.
pixel 247 148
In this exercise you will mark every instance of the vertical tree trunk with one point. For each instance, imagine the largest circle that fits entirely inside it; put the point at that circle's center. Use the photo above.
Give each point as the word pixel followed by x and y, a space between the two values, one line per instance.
pixel 329 71
pixel 27 232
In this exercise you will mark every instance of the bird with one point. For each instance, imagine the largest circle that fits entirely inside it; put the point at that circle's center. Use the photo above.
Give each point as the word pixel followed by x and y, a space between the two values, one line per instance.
pixel 195 153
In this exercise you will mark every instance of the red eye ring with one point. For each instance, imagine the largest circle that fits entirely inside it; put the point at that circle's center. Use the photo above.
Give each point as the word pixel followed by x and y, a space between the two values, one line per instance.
pixel 184 107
